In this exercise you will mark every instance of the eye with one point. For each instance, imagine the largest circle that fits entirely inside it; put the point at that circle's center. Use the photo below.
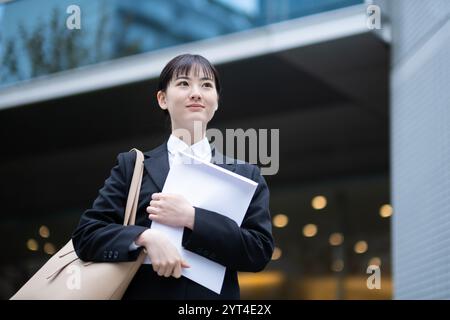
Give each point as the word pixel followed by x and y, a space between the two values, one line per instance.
pixel 183 83
pixel 208 84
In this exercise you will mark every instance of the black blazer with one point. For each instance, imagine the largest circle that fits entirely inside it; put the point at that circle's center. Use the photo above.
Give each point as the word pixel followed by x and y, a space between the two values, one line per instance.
pixel 100 235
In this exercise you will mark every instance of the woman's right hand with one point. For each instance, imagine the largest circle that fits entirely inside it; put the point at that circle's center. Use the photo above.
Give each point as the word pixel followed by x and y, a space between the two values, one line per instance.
pixel 165 258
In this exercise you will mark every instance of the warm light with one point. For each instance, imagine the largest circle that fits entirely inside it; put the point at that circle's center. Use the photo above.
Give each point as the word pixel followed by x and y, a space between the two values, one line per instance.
pixel 248 280
pixel 386 211
pixel 276 253
pixel 336 239
pixel 32 245
pixel 375 261
pixel 361 247
pixel 338 265
pixel 280 220
pixel 310 230
pixel 49 248
pixel 44 232
pixel 319 202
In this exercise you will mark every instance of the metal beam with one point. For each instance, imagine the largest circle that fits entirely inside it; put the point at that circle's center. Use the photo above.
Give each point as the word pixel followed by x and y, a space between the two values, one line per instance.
pixel 268 39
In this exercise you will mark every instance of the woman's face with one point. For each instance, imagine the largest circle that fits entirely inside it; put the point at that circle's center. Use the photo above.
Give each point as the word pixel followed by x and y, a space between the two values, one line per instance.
pixel 189 98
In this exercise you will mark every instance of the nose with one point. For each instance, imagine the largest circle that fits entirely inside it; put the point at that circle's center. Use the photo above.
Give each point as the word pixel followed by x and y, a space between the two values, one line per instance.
pixel 195 93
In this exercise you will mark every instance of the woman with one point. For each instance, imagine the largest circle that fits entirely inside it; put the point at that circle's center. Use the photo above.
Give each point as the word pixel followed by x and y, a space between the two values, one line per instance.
pixel 189 90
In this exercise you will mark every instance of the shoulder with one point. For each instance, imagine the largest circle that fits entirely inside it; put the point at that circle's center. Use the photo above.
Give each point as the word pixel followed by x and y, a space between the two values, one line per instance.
pixel 126 158
pixel 125 161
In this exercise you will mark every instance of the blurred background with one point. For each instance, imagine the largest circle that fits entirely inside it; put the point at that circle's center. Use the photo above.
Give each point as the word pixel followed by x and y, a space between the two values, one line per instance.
pixel 352 100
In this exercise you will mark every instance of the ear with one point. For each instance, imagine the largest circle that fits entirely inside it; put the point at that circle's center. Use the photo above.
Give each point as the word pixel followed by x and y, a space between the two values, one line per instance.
pixel 161 97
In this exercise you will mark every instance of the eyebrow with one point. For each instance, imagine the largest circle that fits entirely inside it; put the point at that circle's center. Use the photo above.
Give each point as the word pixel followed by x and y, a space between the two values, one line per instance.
pixel 184 77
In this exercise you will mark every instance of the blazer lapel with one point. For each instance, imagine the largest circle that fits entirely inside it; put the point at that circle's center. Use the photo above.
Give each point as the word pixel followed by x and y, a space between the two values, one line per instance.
pixel 156 163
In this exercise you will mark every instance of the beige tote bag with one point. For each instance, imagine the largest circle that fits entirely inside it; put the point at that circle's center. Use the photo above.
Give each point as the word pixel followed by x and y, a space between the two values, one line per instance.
pixel 66 277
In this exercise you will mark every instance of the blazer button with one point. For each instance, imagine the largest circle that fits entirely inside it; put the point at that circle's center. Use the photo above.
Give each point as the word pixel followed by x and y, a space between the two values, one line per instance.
pixel 110 254
pixel 116 254
pixel 105 254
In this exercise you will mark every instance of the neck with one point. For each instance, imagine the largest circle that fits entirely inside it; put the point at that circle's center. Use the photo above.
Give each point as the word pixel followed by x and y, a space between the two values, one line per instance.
pixel 190 135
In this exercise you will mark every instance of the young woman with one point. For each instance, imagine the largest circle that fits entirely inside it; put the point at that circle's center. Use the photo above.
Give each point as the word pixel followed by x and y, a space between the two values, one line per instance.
pixel 188 91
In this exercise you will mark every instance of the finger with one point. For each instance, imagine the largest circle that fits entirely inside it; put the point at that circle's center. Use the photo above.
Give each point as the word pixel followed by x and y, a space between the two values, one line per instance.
pixel 155 266
pixel 162 270
pixel 155 218
pixel 151 209
pixel 156 203
pixel 156 196
pixel 169 270
pixel 156 258
pixel 184 264
pixel 154 261
pixel 177 271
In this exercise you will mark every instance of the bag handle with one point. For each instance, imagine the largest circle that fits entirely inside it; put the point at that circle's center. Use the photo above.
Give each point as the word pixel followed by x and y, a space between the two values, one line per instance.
pixel 135 188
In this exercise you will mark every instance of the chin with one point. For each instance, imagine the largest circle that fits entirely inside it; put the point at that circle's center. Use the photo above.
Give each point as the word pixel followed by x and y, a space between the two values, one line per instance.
pixel 196 117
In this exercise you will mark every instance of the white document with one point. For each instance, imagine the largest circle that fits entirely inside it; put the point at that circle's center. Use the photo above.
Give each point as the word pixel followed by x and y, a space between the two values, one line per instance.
pixel 207 186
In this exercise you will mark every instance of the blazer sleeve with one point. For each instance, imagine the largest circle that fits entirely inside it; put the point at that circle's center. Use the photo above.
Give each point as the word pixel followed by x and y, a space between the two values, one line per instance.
pixel 219 238
pixel 100 235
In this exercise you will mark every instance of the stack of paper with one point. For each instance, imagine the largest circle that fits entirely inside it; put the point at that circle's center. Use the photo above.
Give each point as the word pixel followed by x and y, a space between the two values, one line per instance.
pixel 208 186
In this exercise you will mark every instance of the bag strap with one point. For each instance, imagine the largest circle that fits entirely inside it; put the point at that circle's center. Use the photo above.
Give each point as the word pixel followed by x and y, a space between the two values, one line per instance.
pixel 135 188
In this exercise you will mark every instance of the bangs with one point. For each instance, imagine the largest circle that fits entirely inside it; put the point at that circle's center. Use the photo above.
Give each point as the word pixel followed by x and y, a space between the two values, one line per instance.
pixel 183 65
pixel 184 69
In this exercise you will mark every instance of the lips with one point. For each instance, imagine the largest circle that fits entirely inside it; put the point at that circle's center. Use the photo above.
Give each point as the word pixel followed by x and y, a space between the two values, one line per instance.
pixel 196 106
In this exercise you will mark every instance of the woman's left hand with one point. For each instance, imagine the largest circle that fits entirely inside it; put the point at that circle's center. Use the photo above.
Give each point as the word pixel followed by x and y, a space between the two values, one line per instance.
pixel 172 210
